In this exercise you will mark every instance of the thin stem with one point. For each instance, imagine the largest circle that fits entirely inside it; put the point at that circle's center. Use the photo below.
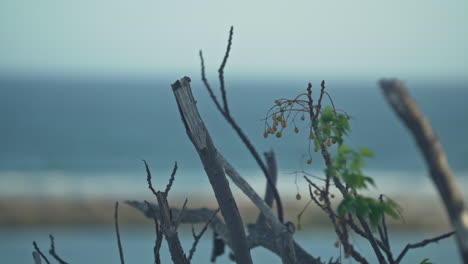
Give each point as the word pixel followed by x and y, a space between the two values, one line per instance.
pixel 119 243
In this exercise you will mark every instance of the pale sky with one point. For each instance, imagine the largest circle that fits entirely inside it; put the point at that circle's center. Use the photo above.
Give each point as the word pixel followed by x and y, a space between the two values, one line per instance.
pixel 150 37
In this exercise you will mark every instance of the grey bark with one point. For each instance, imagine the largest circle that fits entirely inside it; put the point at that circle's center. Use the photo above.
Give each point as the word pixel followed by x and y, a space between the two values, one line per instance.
pixel 169 228
pixel 273 172
pixel 406 108
pixel 259 235
pixel 208 154
pixel 283 236
pixel 36 257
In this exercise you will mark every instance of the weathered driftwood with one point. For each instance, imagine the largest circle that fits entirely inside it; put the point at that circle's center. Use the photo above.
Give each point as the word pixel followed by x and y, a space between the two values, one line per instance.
pixel 269 192
pixel 208 154
pixel 406 108
pixel 169 226
pixel 36 257
pixel 214 161
pixel 283 234
pixel 259 235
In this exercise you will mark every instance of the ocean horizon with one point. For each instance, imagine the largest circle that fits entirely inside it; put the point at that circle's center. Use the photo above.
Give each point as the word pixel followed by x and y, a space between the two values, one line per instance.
pixel 88 137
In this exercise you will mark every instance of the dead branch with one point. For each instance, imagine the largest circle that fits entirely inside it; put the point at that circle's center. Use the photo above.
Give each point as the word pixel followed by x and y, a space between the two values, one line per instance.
pixel 283 235
pixel 198 236
pixel 159 235
pixel 40 253
pixel 208 154
pixel 422 244
pixel 273 172
pixel 117 232
pixel 169 227
pixel 36 257
pixel 169 224
pixel 52 251
pixel 226 114
pixel 259 235
pixel 171 180
pixel 408 111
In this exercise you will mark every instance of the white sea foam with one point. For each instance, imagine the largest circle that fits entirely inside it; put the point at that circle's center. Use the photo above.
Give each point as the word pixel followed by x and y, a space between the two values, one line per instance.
pixel 69 185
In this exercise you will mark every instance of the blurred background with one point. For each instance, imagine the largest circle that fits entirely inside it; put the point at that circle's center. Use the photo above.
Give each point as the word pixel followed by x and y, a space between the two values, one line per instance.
pixel 85 96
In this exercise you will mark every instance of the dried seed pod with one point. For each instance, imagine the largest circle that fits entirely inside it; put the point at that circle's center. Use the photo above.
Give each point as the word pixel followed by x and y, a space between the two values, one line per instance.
pixel 296 130
pixel 309 161
pixel 303 117
pixel 265 134
pixel 298 196
pixel 284 124
pixel 337 244
pixel 312 136
pixel 329 143
pixel 279 134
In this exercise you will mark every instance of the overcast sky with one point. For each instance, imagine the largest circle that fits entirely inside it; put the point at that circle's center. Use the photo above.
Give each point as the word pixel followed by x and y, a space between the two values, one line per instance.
pixel 371 37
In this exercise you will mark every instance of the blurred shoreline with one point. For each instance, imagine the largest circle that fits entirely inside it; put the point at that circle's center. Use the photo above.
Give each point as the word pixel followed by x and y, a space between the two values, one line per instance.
pixel 417 213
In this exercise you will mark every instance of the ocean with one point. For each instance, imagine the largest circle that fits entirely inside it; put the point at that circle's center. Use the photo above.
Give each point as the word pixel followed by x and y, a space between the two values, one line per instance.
pixel 64 138
pixel 98 245
pixel 77 137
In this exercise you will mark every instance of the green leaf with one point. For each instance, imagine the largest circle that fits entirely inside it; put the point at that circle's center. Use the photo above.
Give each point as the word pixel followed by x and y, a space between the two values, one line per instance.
pixel 345 206
pixel 327 115
pixel 344 150
pixel 365 152
pixel 426 261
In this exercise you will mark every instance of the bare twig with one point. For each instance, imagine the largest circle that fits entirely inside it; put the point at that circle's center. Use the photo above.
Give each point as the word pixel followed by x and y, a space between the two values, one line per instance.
pixel 40 253
pixel 197 237
pixel 159 235
pixel 117 232
pixel 299 216
pixel 422 244
pixel 384 232
pixel 207 84
pixel 171 179
pixel 148 177
pixel 238 129
pixel 221 72
pixel 52 251
pixel 179 216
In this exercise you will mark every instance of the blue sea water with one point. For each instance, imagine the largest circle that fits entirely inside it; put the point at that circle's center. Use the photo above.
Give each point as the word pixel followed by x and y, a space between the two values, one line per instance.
pixel 58 132
pixel 98 245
